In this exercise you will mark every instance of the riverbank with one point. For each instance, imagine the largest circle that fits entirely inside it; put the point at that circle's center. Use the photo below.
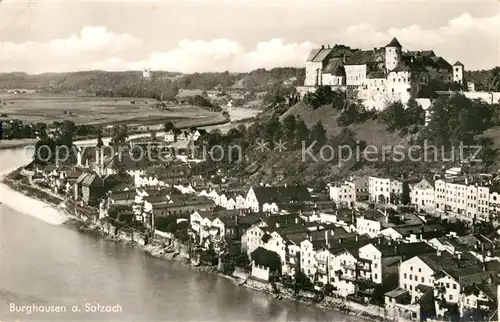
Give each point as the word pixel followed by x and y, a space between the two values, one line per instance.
pixel 26 199
pixel 16 143
pixel 162 248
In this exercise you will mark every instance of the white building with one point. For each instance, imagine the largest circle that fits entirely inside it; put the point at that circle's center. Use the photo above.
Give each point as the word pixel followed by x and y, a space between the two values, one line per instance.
pixel 423 196
pixel 343 194
pixel 380 75
pixel 458 72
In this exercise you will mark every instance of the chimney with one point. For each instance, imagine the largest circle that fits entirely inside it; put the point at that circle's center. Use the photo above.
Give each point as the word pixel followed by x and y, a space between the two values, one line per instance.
pixel 322 46
pixel 459 255
pixel 357 237
pixel 438 252
pixel 328 46
pixel 326 238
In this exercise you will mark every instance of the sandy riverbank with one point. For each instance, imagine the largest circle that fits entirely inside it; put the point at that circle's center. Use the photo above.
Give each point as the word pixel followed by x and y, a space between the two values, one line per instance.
pixel 16 143
pixel 29 205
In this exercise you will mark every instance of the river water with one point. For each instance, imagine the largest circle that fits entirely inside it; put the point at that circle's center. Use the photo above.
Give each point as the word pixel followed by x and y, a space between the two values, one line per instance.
pixel 48 265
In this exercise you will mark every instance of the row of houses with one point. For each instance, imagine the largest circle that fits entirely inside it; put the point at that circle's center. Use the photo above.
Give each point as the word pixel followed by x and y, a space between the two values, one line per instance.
pixel 467 198
pixel 424 270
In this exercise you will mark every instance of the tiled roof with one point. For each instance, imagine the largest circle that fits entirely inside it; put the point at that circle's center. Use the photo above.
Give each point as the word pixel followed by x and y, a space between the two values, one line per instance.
pixel 362 57
pixel 335 67
pixel 402 67
pixel 376 74
pixel 322 55
pixel 90 179
pixel 313 54
pixel 396 293
pixel 441 63
pixel 394 43
pixel 281 194
pixel 406 250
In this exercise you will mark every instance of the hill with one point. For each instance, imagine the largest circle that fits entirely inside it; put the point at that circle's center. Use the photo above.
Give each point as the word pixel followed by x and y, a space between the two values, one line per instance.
pixel 97 81
pixel 372 131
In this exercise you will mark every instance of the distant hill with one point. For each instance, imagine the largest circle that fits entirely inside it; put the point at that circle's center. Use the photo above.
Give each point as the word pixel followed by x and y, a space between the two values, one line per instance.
pixel 101 81
pixel 372 131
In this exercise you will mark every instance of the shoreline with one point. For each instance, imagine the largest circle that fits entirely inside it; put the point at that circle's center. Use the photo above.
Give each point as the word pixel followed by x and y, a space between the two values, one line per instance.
pixel 60 216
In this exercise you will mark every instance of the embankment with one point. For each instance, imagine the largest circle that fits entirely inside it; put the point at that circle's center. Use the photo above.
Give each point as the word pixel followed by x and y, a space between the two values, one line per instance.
pixel 23 201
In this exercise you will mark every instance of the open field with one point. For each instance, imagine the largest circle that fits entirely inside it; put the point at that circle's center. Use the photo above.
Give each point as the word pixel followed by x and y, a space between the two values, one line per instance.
pixel 96 110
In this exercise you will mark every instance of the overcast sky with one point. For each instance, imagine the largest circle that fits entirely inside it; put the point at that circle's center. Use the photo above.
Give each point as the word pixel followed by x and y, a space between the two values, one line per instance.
pixel 237 35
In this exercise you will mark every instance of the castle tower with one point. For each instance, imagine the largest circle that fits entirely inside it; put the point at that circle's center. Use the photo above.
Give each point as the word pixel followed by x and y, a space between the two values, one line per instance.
pixel 458 72
pixel 392 54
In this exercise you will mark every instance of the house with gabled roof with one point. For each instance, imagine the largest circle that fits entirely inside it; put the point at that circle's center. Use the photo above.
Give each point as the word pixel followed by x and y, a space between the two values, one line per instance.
pixel 257 197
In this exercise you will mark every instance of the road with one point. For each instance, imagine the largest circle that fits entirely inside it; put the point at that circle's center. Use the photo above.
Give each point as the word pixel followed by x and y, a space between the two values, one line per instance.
pixel 235 114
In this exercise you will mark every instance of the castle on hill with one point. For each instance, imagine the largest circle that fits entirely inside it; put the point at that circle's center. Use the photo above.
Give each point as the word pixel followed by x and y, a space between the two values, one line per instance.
pixel 381 75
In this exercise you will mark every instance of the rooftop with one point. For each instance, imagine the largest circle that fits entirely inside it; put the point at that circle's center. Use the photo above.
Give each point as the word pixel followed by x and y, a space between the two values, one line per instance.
pixel 394 43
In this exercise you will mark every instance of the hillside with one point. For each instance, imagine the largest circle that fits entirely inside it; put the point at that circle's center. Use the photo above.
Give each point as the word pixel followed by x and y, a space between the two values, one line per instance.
pixel 98 81
pixel 371 131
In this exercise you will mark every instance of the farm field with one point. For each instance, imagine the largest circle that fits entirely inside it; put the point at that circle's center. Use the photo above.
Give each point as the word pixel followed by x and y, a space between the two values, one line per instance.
pixel 96 110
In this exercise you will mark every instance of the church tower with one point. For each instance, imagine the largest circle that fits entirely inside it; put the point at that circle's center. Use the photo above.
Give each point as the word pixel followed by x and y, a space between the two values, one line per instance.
pixel 392 54
pixel 99 154
pixel 458 72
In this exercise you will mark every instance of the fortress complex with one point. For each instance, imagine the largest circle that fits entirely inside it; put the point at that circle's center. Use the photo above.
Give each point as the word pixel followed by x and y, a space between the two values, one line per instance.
pixel 381 75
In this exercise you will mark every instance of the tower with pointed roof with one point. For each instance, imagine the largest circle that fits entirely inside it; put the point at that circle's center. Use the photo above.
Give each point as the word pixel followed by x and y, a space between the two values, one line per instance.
pixel 99 154
pixel 458 72
pixel 392 54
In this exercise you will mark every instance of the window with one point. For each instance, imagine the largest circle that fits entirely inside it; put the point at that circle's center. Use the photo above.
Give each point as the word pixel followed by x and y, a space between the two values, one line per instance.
pixel 454 286
pixel 451 297
pixel 423 280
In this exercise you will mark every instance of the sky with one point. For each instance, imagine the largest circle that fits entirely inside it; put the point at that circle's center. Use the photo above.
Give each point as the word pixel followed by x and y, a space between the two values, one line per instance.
pixel 238 35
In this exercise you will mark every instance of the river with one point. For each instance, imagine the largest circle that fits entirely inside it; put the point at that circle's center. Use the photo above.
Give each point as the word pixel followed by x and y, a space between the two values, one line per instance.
pixel 46 264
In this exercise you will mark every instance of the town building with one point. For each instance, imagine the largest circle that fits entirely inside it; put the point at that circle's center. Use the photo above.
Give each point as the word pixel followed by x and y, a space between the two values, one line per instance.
pixel 343 194
pixel 266 199
pixel 423 195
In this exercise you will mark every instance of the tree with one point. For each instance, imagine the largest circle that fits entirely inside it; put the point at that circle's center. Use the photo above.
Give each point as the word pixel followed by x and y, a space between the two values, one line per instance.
pixel 318 135
pixel 168 126
pixel 271 128
pixel 415 113
pixel 301 133
pixel 67 129
pixel 301 282
pixel 289 125
pixel 405 195
pixel 119 135
pixel 438 128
